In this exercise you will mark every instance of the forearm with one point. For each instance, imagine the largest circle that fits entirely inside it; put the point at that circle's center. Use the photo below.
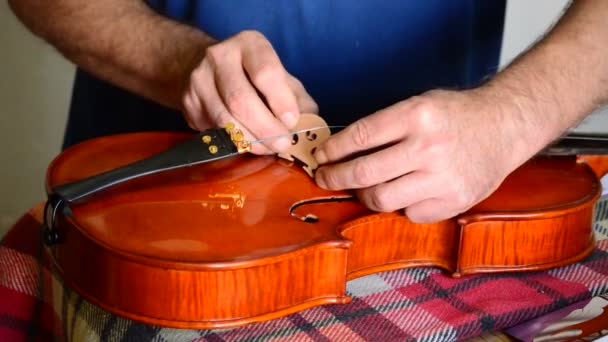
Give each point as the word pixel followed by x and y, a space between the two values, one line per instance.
pixel 122 41
pixel 561 79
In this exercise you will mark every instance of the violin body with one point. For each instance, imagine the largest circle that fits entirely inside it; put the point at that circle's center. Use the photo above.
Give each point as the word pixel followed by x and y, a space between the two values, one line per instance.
pixel 215 246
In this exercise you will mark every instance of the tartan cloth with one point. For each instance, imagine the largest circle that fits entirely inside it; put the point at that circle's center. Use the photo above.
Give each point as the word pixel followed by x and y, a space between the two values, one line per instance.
pixel 420 304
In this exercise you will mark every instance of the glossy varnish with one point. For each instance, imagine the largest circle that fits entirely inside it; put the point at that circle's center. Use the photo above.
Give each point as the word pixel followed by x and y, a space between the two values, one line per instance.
pixel 214 245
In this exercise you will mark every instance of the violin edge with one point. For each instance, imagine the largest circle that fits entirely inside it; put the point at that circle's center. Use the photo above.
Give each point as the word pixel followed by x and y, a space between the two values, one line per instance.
pixel 470 270
pixel 205 324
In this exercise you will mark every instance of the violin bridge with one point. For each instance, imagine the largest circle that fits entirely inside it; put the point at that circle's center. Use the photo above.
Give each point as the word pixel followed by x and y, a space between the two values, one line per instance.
pixel 312 131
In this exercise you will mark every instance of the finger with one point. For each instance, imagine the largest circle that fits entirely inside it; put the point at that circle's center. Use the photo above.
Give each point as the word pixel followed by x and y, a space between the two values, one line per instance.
pixel 220 116
pixel 214 110
pixel 272 80
pixel 383 127
pixel 306 104
pixel 365 171
pixel 243 103
pixel 398 193
pixel 430 210
pixel 192 109
pixel 187 116
pixel 191 102
pixel 201 98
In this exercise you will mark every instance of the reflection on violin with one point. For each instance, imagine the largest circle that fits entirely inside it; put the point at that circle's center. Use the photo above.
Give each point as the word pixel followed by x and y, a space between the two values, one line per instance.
pixel 245 258
pixel 225 201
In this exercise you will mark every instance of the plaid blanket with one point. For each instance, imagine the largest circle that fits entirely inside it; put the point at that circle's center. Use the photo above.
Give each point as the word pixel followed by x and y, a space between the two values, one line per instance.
pixel 420 304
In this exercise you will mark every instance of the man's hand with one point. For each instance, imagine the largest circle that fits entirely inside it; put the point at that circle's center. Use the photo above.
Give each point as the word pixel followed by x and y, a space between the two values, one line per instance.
pixel 128 44
pixel 435 155
pixel 441 153
pixel 242 80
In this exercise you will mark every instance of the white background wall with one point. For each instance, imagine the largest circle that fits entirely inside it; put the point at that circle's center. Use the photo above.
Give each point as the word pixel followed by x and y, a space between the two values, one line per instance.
pixel 35 85
pixel 34 93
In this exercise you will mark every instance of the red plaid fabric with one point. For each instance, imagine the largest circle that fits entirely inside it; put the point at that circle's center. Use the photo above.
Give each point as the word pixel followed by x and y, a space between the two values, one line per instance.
pixel 420 304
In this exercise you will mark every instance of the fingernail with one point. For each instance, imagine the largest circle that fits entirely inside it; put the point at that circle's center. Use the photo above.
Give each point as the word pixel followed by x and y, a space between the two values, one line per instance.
pixel 320 157
pixel 319 179
pixel 289 119
pixel 281 145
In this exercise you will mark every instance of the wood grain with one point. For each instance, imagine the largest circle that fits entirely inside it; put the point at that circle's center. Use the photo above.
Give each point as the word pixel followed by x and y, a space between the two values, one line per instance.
pixel 214 245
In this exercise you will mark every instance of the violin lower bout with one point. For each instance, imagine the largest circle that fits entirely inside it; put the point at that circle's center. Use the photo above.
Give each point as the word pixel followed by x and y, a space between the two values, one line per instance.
pixel 212 296
pixel 199 296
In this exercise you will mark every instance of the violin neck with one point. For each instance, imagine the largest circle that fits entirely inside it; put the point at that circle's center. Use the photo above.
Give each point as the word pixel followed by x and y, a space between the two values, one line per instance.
pixel 579 144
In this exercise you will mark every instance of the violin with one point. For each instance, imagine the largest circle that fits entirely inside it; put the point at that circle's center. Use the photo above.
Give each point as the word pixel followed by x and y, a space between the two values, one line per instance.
pixel 251 238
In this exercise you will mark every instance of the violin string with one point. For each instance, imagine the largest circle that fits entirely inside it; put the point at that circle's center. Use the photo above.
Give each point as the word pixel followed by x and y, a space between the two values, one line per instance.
pixel 585 137
pixel 567 137
pixel 295 132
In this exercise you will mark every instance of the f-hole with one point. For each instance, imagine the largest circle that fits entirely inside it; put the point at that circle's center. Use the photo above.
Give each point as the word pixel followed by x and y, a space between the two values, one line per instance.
pixel 311 136
pixel 312 218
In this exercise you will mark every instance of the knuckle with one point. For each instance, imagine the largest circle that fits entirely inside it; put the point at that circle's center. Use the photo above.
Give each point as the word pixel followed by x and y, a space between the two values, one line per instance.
pixel 417 216
pixel 215 53
pixel 218 117
pixel 187 102
pixel 251 35
pixel 310 107
pixel 438 153
pixel 329 179
pixel 360 134
pixel 266 74
pixel 426 115
pixel 363 173
pixel 305 102
pixel 331 149
pixel 380 200
pixel 196 75
pixel 295 84
pixel 235 100
pixel 461 198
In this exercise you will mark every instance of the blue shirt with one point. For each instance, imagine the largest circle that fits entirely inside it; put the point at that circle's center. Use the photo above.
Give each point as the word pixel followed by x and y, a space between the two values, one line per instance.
pixel 353 56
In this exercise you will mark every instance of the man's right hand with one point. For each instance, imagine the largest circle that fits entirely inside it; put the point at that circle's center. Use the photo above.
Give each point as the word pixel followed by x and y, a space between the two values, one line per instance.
pixel 242 80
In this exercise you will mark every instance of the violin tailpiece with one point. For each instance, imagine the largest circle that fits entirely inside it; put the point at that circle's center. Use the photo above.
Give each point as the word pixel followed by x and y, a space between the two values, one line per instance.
pixel 238 138
pixel 310 132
